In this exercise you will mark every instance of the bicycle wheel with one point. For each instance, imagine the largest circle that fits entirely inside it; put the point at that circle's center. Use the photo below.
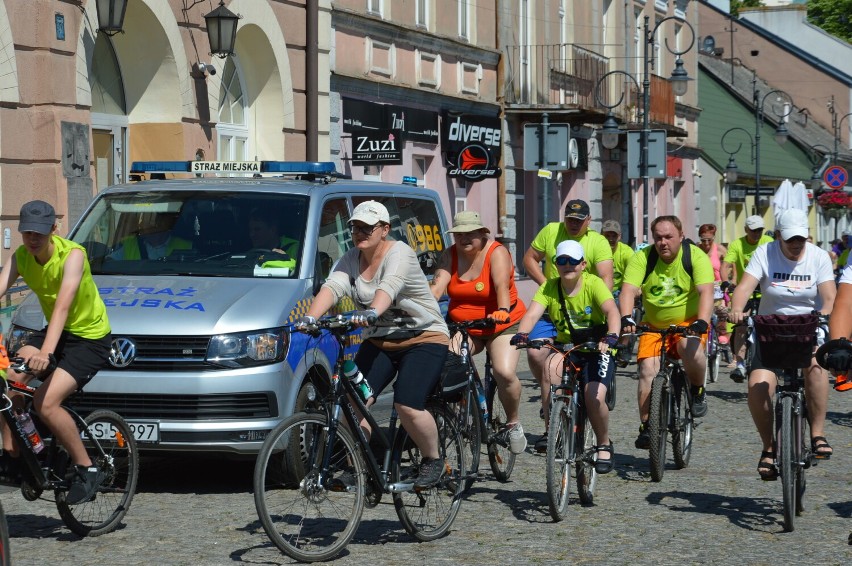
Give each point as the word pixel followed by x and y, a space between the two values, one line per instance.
pixel 683 425
pixel 804 451
pixel 560 453
pixel 427 514
pixel 658 426
pixel 502 459
pixel 5 551
pixel 469 424
pixel 309 519
pixel 587 477
pixel 712 373
pixel 115 455
pixel 786 462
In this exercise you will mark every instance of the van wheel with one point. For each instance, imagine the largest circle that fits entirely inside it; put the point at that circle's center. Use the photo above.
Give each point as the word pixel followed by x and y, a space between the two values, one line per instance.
pixel 307 398
pixel 292 462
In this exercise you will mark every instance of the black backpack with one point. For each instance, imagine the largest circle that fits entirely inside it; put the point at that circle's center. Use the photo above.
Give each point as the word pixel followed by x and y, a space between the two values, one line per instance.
pixel 686 259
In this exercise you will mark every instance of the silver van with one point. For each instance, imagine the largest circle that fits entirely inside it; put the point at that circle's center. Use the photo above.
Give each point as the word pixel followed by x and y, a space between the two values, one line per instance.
pixel 201 278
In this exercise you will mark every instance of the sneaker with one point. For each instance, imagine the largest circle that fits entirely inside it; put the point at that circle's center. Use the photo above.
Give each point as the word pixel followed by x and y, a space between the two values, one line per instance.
pixel 517 438
pixel 738 374
pixel 643 441
pixel 699 401
pixel 431 471
pixel 541 443
pixel 84 484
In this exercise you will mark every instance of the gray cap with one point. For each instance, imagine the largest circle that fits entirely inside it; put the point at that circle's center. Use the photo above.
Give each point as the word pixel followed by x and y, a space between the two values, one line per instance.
pixel 37 216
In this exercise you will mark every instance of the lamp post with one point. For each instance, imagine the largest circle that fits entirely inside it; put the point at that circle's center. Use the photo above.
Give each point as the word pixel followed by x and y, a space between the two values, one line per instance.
pixel 111 16
pixel 679 81
pixel 818 162
pixel 835 127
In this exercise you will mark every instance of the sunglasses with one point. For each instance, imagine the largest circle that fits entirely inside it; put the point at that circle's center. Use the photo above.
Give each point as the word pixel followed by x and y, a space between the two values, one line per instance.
pixel 365 230
pixel 564 260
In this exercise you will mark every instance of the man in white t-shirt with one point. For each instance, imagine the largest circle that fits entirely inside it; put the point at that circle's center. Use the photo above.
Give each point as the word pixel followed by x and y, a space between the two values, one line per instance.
pixel 795 277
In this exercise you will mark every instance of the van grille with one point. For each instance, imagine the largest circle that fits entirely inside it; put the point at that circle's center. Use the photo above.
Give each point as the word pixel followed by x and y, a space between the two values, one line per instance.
pixel 174 353
pixel 180 407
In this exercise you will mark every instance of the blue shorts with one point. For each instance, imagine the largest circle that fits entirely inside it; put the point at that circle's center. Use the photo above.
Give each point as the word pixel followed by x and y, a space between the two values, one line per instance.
pixel 543 329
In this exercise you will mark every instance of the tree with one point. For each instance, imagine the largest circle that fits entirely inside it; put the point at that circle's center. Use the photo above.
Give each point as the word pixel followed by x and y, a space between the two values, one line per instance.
pixel 832 16
pixel 737 4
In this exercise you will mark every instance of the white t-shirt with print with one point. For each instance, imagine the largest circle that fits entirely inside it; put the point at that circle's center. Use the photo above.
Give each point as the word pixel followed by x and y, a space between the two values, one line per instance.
pixel 789 287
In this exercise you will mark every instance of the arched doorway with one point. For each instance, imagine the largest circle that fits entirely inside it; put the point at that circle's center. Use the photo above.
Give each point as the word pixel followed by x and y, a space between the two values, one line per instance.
pixel 109 115
pixel 232 128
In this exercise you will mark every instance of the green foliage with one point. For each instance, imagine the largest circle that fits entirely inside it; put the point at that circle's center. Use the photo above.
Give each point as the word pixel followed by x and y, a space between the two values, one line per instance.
pixel 737 4
pixel 833 16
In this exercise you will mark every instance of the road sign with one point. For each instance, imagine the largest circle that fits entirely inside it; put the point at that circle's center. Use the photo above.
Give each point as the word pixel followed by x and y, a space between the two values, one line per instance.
pixel 557 150
pixel 656 154
pixel 835 177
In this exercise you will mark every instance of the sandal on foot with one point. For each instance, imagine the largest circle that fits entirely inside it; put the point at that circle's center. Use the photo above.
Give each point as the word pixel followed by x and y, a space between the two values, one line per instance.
pixel 767 470
pixel 604 466
pixel 820 448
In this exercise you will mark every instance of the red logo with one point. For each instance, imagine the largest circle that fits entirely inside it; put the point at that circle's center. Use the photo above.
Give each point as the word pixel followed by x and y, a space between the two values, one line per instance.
pixel 473 163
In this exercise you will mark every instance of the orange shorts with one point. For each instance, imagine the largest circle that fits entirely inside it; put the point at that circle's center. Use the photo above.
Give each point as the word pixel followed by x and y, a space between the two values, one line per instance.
pixel 650 344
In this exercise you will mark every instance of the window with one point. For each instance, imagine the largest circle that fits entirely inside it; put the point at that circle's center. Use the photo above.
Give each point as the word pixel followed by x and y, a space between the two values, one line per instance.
pixel 421 167
pixel 334 237
pixel 464 20
pixel 375 7
pixel 233 123
pixel 421 16
pixel 373 173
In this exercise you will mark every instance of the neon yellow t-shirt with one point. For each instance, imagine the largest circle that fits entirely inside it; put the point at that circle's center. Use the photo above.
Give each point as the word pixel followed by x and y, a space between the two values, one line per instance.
pixel 739 253
pixel 595 247
pixel 87 316
pixel 620 258
pixel 669 295
pixel 584 308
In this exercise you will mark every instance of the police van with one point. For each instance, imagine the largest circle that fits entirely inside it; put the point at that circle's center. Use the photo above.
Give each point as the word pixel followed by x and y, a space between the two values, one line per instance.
pixel 202 277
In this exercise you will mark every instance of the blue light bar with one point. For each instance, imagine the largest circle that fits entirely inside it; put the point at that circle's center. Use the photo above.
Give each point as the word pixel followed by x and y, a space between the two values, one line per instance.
pixel 160 166
pixel 298 167
pixel 408 180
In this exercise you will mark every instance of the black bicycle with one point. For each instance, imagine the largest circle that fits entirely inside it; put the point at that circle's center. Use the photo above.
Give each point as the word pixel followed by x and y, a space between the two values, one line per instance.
pixel 317 470
pixel 110 444
pixel 481 418
pixel 671 407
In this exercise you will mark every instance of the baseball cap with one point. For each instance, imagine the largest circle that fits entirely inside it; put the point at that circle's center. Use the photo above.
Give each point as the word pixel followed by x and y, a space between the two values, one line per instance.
pixel 571 248
pixel 370 212
pixel 467 221
pixel 611 226
pixel 793 222
pixel 37 216
pixel 754 222
pixel 577 209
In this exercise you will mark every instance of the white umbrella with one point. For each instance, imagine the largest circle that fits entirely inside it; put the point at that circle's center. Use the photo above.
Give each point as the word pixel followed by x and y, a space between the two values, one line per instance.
pixel 789 196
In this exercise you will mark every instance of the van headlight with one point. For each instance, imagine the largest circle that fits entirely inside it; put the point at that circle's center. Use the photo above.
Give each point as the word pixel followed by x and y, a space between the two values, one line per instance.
pixel 18 338
pixel 244 349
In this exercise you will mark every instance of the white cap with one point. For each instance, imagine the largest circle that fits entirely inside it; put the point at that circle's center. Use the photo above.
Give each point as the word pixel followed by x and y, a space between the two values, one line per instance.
pixel 793 222
pixel 371 212
pixel 754 222
pixel 571 248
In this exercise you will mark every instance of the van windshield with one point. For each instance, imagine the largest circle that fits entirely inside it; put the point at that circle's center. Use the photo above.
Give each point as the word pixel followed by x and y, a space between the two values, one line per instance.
pixel 204 233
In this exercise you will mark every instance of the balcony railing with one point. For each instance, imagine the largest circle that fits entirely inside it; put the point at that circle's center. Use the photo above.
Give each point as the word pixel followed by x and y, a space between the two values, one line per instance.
pixel 553 75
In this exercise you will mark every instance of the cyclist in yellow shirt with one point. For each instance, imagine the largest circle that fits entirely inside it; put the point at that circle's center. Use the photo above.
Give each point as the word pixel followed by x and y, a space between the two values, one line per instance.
pixel 671 295
pixel 77 335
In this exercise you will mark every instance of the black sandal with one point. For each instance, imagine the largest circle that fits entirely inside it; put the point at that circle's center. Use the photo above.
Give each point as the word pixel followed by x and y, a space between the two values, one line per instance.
pixel 821 452
pixel 604 466
pixel 767 470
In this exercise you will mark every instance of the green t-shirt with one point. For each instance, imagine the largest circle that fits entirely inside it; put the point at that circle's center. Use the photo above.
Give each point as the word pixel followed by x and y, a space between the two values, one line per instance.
pixel 584 308
pixel 87 316
pixel 620 258
pixel 739 253
pixel 595 247
pixel 669 295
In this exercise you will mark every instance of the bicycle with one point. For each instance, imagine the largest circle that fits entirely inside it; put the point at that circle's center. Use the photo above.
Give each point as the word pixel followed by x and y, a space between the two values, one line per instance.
pixel 671 408
pixel 481 423
pixel 313 476
pixel 793 454
pixel 712 351
pixel 570 439
pixel 108 440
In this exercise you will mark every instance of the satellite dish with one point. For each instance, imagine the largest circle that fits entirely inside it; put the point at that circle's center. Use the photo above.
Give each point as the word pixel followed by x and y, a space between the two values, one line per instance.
pixel 708 45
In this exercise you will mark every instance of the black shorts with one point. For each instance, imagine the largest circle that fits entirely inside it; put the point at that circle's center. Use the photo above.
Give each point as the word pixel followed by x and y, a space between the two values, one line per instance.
pixel 595 367
pixel 417 370
pixel 82 358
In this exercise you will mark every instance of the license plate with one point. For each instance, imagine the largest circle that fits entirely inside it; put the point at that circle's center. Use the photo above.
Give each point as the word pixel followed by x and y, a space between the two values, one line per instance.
pixel 142 432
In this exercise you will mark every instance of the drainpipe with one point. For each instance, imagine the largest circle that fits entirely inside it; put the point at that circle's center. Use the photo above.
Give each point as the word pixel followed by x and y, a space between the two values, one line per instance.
pixel 504 126
pixel 311 80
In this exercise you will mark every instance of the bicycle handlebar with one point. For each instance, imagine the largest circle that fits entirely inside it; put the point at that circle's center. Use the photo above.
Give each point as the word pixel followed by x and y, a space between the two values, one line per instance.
pixel 20 365
pixel 479 323
pixel 336 324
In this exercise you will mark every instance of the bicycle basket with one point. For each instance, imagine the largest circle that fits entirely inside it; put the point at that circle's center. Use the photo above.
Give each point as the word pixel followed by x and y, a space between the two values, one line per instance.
pixel 454 377
pixel 786 341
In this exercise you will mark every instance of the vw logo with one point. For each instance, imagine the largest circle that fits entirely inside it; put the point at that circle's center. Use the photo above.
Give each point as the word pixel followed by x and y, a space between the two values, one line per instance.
pixel 122 352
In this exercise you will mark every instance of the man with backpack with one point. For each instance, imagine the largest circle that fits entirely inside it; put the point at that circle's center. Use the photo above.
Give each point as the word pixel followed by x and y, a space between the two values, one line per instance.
pixel 675 279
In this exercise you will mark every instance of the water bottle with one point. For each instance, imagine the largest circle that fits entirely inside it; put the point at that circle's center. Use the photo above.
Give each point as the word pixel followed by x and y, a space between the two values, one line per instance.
pixel 27 426
pixel 353 374
pixel 483 404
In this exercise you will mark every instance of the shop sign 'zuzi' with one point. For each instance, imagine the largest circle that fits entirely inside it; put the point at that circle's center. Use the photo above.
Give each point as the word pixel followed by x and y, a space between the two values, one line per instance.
pixel 376 147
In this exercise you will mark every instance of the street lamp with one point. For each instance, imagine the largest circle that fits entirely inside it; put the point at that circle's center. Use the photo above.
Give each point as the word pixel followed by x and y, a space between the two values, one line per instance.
pixel 679 81
pixel 110 16
pixel 732 171
pixel 835 126
pixel 818 161
pixel 222 30
pixel 781 133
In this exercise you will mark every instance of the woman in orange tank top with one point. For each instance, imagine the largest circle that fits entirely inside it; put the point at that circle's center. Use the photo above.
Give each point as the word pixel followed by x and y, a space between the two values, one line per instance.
pixel 478 275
